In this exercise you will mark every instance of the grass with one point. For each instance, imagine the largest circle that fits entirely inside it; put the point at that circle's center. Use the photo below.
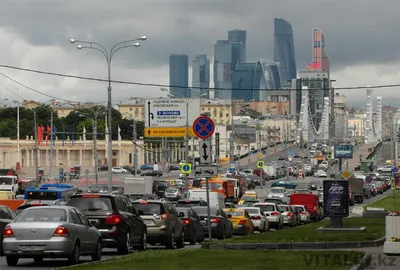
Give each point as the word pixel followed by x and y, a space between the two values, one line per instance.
pixel 308 233
pixel 199 259
pixel 386 203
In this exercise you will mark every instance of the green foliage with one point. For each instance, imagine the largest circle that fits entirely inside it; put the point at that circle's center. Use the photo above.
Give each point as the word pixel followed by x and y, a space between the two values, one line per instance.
pixel 75 121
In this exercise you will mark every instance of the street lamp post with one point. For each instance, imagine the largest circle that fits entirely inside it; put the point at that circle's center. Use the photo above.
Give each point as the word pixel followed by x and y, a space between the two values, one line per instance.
pixel 18 146
pixel 36 145
pixel 51 141
pixel 109 55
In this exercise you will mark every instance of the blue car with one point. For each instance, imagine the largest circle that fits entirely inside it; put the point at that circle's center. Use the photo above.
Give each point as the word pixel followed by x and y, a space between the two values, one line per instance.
pixel 284 183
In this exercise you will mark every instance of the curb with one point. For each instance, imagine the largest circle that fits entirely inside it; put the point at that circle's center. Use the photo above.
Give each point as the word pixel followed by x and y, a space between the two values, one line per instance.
pixel 304 245
pixel 364 263
pixel 86 263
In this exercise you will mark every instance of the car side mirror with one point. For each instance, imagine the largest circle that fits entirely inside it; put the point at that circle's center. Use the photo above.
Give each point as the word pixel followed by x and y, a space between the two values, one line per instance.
pixel 181 214
pixel 229 216
pixel 140 212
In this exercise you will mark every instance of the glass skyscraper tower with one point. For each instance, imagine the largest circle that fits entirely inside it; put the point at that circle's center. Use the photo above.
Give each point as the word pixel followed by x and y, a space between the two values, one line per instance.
pixel 200 76
pixel 284 51
pixel 179 75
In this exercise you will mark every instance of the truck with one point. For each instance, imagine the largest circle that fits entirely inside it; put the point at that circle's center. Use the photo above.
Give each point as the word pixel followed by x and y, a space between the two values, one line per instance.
pixel 216 198
pixel 357 188
pixel 270 171
pixel 9 183
pixel 226 187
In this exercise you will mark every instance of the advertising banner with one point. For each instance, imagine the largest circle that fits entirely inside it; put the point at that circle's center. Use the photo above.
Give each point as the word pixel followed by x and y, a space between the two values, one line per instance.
pixel 344 151
pixel 336 198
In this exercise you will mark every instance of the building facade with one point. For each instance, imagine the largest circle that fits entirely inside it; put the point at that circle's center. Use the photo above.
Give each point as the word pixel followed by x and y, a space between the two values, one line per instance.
pixel 356 125
pixel 237 38
pixel 340 117
pixel 179 75
pixel 284 52
pixel 222 69
pixel 320 59
pixel 200 77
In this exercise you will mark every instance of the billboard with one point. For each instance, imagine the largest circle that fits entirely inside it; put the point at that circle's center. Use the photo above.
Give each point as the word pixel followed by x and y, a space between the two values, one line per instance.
pixel 336 198
pixel 344 151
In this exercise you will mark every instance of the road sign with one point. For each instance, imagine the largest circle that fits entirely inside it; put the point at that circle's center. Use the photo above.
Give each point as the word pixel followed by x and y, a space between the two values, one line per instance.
pixel 170 112
pixel 206 171
pixel 329 156
pixel 203 127
pixel 260 155
pixel 260 164
pixel 205 152
pixel 369 179
pixel 186 168
pixel 395 169
pixel 300 167
pixel 346 174
pixel 302 155
pixel 167 132
pixel 288 152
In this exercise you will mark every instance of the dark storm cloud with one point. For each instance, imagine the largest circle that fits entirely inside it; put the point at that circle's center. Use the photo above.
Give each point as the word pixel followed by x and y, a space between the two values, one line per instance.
pixel 357 31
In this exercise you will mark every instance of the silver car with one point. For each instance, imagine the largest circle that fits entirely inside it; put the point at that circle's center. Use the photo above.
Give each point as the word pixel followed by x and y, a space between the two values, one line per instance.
pixel 51 231
pixel 260 221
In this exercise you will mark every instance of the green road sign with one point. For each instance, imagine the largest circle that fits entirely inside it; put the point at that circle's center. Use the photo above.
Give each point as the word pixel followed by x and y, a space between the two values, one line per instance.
pixel 186 168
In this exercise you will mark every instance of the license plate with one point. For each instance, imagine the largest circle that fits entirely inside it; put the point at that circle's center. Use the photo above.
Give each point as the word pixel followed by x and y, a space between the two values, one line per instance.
pixel 31 248
pixel 148 222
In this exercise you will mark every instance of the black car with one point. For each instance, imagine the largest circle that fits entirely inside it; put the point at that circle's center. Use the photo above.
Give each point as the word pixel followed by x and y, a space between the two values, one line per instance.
pixel 221 226
pixel 281 158
pixel 159 188
pixel 96 188
pixel 152 173
pixel 117 219
pixel 6 216
pixel 191 203
pixel 194 231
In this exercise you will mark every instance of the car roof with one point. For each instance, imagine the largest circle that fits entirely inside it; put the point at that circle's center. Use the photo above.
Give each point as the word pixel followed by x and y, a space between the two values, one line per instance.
pixel 65 207
pixel 245 208
pixel 266 203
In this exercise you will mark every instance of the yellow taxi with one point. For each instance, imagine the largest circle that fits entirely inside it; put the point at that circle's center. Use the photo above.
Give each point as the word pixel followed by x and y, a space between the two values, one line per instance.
pixel 241 221
pixel 249 196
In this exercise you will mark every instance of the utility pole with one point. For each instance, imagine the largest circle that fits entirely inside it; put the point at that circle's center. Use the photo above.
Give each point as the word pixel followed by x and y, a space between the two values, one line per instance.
pixel 134 156
pixel 258 139
pixel 51 141
pixel 95 156
pixel 36 146
pixel 232 137
pixel 286 148
pixel 18 150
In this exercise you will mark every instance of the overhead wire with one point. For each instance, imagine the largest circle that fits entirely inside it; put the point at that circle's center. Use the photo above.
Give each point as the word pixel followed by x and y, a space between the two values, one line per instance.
pixel 176 86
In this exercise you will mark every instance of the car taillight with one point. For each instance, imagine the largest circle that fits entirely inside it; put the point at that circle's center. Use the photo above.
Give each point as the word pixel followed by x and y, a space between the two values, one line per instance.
pixel 242 222
pixel 164 216
pixel 274 213
pixel 302 213
pixel 215 220
pixel 315 208
pixel 113 219
pixel 61 231
pixel 290 214
pixel 186 221
pixel 257 218
pixel 8 232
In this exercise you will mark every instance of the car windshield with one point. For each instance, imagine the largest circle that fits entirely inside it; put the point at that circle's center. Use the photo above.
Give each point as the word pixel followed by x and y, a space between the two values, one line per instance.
pixel 6 180
pixel 248 198
pixel 212 185
pixel 171 190
pixel 235 213
pixel 299 209
pixel 42 215
pixel 252 210
pixel 203 210
pixel 188 204
pixel 277 190
pixel 266 208
pixel 284 208
pixel 149 209
pixel 91 204
pixel 183 210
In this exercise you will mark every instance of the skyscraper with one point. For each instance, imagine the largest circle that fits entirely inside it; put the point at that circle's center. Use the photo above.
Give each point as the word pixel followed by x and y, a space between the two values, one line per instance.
pixel 320 58
pixel 284 51
pixel 222 69
pixel 239 37
pixel 200 76
pixel 179 75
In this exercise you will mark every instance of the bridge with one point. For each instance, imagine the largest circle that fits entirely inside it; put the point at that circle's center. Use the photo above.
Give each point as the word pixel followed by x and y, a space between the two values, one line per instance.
pixel 313 128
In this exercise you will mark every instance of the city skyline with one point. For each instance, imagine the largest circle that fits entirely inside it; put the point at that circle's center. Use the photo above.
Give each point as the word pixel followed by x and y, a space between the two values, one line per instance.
pixel 40 41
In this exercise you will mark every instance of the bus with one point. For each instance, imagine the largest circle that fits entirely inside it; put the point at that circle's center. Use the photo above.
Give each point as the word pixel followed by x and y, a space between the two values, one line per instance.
pixel 50 192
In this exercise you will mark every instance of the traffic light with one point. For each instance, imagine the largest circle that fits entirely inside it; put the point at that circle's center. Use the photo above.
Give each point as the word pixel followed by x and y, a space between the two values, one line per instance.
pixel 329 156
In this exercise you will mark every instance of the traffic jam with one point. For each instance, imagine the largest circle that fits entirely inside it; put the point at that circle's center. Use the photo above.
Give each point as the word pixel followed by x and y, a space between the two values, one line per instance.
pixel 58 220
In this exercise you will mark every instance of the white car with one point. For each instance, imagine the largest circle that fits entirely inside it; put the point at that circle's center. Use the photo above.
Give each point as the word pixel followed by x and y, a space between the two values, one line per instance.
pixel 320 173
pixel 304 214
pixel 277 192
pixel 385 169
pixel 272 213
pixel 260 221
pixel 119 170
pixel 288 215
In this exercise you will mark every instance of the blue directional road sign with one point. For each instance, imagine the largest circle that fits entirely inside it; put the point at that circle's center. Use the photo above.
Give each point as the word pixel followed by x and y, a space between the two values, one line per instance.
pixel 186 168
pixel 203 127
pixel 289 152
pixel 260 164
pixel 395 169
pixel 369 179
pixel 161 113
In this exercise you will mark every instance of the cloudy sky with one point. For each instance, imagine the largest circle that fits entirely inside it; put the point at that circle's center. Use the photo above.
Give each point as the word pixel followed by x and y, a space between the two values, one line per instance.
pixel 362 40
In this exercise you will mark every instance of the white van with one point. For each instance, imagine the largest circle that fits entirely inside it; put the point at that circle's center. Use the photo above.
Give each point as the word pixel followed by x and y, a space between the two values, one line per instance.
pixel 216 199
